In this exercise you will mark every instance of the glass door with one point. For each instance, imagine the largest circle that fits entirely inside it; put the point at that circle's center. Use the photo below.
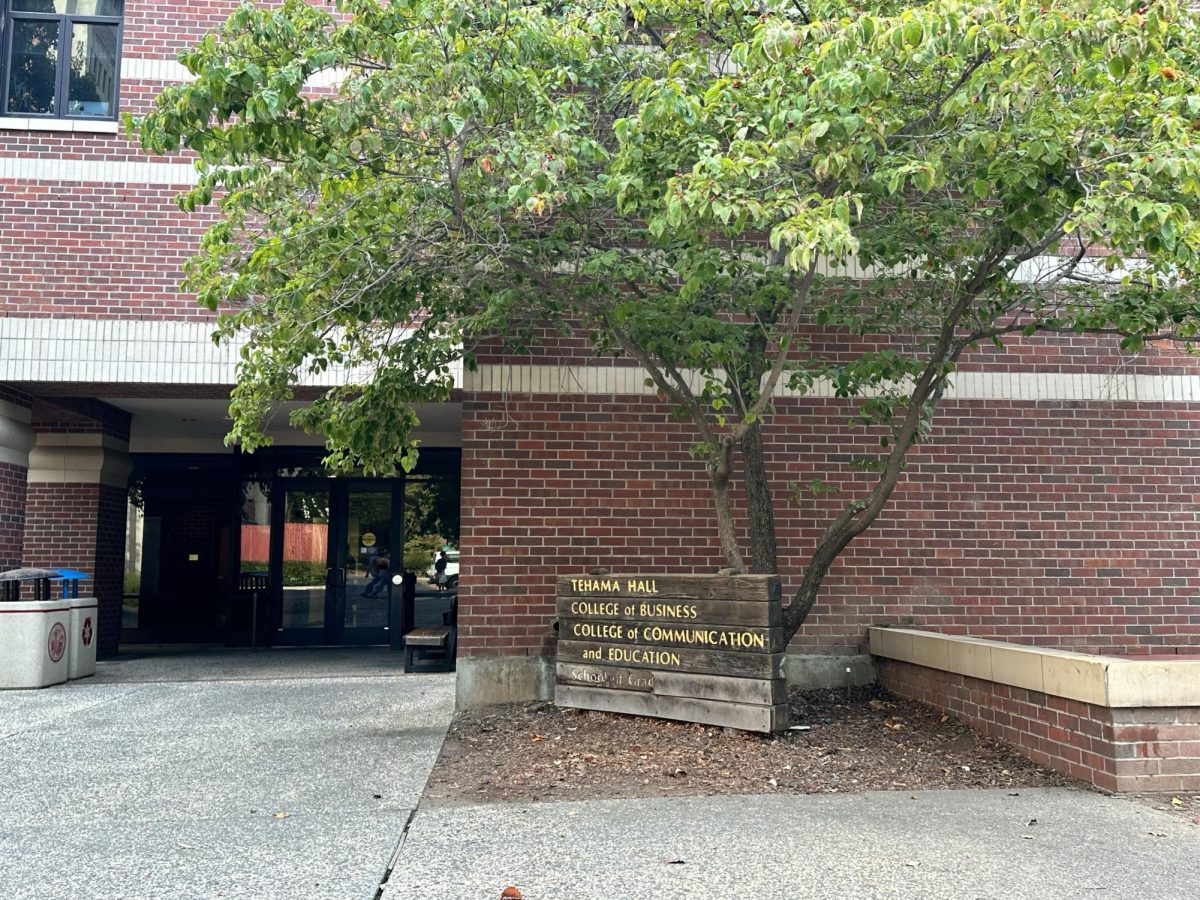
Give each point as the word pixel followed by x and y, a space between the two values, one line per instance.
pixel 332 549
pixel 303 575
pixel 365 591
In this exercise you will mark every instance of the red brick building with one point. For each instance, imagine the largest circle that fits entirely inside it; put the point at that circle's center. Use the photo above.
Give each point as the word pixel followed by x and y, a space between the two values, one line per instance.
pixel 1056 503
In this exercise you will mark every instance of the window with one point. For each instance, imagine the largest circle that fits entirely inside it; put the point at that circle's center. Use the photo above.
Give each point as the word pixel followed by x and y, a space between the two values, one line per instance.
pixel 61 58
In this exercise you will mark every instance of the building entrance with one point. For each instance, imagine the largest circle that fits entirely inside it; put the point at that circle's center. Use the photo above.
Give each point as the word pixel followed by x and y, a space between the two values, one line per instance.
pixel 272 551
pixel 335 543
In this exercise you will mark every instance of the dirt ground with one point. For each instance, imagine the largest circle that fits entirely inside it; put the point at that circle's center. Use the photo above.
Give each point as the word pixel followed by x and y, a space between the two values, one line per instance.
pixel 862 742
pixel 1185 806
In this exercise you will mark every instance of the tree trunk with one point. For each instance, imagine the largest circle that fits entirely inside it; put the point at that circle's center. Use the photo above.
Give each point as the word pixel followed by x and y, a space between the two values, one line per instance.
pixel 760 510
pixel 797 611
pixel 720 470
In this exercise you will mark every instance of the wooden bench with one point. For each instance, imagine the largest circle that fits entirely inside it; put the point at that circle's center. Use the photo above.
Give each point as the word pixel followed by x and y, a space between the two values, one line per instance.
pixel 430 649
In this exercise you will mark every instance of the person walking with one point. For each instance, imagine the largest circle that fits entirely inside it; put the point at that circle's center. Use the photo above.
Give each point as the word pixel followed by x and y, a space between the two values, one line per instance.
pixel 377 571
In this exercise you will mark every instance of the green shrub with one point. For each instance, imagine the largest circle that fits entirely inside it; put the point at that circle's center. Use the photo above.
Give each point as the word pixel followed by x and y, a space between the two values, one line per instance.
pixel 296 572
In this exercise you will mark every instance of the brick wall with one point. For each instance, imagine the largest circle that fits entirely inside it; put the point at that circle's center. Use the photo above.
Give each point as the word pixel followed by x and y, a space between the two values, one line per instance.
pixel 1137 749
pixel 95 251
pixel 12 515
pixel 82 526
pixel 1064 524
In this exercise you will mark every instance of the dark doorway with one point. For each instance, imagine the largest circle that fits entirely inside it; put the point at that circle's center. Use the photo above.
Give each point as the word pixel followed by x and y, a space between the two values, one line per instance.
pixel 186 565
pixel 270 551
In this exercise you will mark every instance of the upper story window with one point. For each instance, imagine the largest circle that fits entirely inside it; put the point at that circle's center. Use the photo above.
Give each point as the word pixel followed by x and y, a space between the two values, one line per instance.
pixel 61 58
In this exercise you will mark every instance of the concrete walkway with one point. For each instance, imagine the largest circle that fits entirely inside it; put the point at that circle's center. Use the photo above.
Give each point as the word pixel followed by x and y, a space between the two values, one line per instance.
pixel 294 778
pixel 937 844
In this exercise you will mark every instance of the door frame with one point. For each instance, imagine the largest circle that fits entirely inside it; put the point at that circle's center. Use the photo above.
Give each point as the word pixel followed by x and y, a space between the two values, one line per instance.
pixel 334 632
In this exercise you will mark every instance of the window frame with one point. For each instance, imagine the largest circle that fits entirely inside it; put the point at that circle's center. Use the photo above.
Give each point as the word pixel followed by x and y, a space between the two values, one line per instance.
pixel 62 77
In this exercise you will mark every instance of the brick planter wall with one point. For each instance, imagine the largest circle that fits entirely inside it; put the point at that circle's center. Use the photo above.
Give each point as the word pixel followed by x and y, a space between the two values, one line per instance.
pixel 1137 749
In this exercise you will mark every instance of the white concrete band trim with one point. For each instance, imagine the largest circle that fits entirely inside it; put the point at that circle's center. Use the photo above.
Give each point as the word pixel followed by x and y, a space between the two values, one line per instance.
pixel 76 126
pixel 16 434
pixel 168 70
pixel 24 168
pixel 138 351
pixel 1038 270
pixel 20 414
pixel 139 443
pixel 171 71
pixel 79 459
pixel 131 351
pixel 631 380
pixel 1100 680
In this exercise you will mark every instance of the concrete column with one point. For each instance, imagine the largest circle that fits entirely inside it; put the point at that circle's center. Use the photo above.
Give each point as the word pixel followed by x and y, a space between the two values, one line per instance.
pixel 77 501
pixel 16 439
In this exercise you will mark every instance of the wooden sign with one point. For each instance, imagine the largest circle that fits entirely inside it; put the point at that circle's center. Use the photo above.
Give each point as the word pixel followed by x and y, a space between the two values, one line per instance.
pixel 701 648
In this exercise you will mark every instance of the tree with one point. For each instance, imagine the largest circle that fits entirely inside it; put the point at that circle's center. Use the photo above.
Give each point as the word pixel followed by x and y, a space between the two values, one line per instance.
pixel 711 188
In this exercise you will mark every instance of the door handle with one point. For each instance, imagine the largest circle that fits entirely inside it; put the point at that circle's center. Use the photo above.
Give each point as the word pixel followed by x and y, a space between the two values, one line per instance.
pixel 343 571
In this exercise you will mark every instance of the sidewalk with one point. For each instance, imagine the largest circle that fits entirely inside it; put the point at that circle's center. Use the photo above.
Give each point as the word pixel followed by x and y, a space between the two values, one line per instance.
pixel 293 779
pixel 937 844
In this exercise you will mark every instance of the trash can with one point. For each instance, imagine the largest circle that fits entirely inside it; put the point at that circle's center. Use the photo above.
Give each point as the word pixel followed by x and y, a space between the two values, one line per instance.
pixel 33 632
pixel 81 633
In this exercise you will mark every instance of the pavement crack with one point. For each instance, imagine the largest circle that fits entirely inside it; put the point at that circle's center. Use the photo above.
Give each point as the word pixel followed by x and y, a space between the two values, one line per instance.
pixel 395 858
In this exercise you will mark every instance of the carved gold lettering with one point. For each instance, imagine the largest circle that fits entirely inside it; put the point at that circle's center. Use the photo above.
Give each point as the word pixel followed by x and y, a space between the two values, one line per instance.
pixel 708 637
pixel 641 586
pixel 667 610
pixel 599 631
pixel 594 608
pixel 594 585
pixel 643 656
pixel 591 676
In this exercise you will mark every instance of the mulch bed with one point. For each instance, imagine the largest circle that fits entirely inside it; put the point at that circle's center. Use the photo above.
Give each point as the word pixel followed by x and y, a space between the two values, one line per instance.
pixel 864 741
pixel 1184 806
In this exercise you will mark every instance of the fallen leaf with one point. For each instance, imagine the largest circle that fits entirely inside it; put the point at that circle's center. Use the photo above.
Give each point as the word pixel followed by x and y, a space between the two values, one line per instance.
pixel 1175 801
pixel 675 862
pixel 1031 822
pixel 1028 837
pixel 772 782
pixel 1157 833
pixel 537 737
pixel 943 720
pixel 511 893
pixel 282 815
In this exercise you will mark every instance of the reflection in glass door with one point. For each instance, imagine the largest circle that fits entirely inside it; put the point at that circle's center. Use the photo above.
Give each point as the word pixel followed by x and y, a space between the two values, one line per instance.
pixel 368 565
pixel 305 574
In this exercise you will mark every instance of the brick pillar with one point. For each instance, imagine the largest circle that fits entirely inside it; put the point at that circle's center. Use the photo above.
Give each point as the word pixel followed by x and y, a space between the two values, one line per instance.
pixel 75 518
pixel 16 439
